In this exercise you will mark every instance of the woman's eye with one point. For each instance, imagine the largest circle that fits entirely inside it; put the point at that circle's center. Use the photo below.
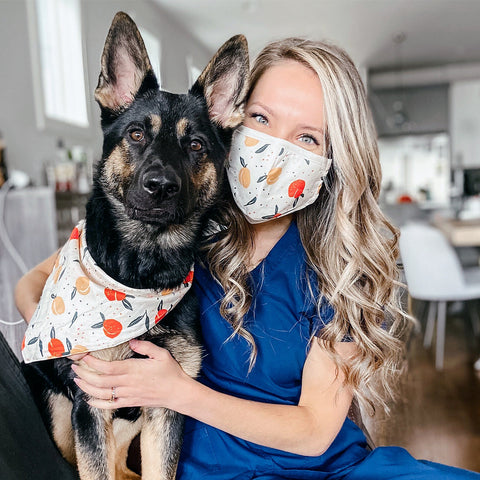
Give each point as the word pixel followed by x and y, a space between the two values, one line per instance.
pixel 137 135
pixel 196 145
pixel 260 119
pixel 308 139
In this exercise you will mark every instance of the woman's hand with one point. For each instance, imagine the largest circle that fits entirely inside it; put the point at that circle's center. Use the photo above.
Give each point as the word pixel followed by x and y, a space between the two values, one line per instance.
pixel 151 382
pixel 158 381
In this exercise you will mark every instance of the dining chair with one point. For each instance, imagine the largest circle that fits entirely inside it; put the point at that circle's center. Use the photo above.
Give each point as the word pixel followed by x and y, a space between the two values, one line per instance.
pixel 434 274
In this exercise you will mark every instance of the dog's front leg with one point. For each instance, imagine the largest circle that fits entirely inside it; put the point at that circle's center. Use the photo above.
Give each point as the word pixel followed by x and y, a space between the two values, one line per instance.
pixel 94 442
pixel 125 431
pixel 161 441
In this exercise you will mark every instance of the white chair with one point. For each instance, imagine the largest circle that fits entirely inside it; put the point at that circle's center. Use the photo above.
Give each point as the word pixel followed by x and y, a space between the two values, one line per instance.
pixel 434 274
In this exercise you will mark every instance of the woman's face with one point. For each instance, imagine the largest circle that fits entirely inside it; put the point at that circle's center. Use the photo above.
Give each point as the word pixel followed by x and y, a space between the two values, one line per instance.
pixel 287 102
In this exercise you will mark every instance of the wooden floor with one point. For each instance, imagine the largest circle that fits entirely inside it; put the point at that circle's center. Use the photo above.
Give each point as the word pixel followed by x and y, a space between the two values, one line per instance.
pixel 438 416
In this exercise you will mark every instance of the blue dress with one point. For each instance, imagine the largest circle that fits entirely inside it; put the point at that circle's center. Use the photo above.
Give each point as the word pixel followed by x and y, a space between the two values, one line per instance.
pixel 282 319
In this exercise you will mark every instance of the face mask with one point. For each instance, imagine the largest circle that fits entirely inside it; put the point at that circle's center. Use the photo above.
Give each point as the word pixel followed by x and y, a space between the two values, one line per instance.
pixel 270 177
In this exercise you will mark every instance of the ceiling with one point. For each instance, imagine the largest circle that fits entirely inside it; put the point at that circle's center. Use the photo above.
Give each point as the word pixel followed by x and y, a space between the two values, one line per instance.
pixel 436 31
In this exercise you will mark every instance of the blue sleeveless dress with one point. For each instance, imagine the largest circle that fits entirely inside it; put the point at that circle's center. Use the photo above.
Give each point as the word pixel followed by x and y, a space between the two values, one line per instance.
pixel 282 319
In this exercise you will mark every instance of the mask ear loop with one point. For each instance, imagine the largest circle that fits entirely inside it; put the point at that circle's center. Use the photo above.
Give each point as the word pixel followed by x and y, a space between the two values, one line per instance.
pixel 328 151
pixel 334 175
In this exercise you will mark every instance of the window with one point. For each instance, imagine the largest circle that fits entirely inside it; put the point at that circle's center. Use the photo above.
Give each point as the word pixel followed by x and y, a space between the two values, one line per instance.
pixel 192 70
pixel 152 45
pixel 57 53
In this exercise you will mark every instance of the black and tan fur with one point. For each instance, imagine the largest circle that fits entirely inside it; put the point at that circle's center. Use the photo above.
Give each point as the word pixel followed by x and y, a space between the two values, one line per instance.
pixel 160 173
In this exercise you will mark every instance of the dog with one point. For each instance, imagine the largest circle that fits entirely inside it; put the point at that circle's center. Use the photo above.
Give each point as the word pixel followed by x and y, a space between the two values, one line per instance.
pixel 161 172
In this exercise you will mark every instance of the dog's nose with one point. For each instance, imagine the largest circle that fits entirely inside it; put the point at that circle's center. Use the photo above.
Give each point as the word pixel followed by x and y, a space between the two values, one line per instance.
pixel 161 185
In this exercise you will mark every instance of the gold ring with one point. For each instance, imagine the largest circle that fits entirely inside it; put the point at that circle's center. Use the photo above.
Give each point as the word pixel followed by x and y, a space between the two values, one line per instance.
pixel 113 397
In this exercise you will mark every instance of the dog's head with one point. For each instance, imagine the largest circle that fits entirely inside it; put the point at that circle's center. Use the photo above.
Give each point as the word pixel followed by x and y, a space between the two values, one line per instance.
pixel 164 153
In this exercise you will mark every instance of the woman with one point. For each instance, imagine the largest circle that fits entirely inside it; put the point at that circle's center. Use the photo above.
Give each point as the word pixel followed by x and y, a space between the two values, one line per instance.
pixel 298 293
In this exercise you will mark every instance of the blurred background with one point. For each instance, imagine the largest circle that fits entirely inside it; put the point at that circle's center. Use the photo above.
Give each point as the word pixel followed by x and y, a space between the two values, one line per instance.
pixel 420 61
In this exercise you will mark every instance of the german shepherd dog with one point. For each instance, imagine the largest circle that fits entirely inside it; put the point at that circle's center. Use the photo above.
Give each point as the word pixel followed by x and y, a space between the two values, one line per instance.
pixel 160 174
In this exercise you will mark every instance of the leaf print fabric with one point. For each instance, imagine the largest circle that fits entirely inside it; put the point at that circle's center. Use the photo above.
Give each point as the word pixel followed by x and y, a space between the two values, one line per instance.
pixel 270 177
pixel 82 309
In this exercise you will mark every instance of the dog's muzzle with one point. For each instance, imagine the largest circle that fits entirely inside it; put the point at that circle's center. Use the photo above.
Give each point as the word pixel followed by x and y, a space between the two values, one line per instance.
pixel 161 184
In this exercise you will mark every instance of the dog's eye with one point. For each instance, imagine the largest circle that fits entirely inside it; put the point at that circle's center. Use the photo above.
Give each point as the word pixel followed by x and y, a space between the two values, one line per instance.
pixel 137 135
pixel 196 145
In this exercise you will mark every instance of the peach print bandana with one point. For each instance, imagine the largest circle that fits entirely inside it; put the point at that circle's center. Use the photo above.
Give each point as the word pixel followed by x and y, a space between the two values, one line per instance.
pixel 82 309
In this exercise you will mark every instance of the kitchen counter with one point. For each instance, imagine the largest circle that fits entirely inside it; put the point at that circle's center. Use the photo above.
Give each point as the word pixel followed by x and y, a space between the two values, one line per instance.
pixel 30 223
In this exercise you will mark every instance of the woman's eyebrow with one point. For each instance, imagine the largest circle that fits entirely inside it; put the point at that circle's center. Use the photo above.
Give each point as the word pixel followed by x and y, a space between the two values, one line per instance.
pixel 262 105
pixel 320 130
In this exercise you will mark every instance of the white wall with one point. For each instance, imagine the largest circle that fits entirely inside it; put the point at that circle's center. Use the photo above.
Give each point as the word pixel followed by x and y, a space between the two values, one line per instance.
pixel 27 147
pixel 465 123
pixel 411 163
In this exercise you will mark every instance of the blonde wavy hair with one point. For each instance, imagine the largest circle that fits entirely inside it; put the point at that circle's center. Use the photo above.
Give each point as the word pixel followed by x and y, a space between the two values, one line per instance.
pixel 349 243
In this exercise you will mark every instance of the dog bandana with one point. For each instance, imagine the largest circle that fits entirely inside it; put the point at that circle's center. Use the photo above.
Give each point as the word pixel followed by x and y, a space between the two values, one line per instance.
pixel 82 309
pixel 270 176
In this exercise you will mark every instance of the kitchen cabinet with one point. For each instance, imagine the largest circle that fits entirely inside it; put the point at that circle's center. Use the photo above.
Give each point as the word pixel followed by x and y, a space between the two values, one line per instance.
pixel 70 210
pixel 407 111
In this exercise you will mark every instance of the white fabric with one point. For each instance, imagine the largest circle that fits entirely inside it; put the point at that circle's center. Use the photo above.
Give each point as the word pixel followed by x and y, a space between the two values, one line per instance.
pixel 270 176
pixel 82 309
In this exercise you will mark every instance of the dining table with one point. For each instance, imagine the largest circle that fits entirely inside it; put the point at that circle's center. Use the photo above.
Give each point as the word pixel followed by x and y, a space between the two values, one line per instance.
pixel 460 232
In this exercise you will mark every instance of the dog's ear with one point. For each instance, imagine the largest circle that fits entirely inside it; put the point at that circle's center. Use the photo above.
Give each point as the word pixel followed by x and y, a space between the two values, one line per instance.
pixel 126 69
pixel 224 83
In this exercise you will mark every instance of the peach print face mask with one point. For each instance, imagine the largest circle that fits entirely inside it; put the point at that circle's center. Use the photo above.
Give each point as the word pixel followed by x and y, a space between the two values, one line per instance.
pixel 82 309
pixel 270 177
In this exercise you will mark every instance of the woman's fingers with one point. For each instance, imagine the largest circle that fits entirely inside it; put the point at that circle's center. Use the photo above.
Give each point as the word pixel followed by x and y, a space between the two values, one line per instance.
pixel 102 366
pixel 137 381
pixel 77 356
pixel 108 405
pixel 107 398
pixel 149 349
pixel 96 379
pixel 103 404
pixel 96 392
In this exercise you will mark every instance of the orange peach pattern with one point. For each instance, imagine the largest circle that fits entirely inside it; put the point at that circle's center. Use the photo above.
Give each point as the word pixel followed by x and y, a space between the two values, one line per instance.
pixel 82 309
pixel 270 176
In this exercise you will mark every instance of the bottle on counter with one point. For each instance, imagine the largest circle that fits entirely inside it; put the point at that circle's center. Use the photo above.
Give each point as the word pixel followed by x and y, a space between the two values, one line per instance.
pixel 82 180
pixel 64 169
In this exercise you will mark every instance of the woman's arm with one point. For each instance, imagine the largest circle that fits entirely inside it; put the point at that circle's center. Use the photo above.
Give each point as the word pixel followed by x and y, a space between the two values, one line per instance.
pixel 29 288
pixel 306 429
